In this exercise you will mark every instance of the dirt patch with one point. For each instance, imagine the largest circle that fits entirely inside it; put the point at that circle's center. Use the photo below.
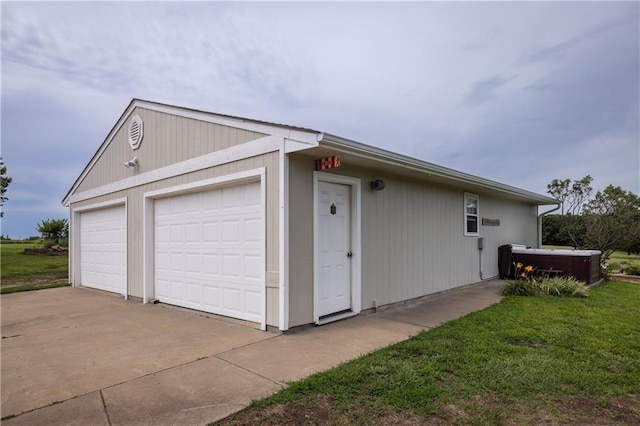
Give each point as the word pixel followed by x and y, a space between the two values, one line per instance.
pixel 60 278
pixel 583 411
pixel 53 251
pixel 323 411
pixel 625 277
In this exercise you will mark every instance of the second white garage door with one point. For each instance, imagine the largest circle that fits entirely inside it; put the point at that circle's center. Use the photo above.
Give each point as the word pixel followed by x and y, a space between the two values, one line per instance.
pixel 209 251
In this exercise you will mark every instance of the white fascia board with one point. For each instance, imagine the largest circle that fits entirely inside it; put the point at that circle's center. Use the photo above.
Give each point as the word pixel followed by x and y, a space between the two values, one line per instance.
pixel 216 158
pixel 392 158
pixel 307 139
pixel 292 145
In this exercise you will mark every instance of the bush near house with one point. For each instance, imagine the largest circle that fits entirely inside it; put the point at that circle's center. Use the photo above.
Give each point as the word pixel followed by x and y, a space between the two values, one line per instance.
pixel 529 284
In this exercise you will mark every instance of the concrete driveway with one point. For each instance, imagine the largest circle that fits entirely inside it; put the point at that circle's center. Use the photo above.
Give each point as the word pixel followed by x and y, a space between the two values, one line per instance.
pixel 78 356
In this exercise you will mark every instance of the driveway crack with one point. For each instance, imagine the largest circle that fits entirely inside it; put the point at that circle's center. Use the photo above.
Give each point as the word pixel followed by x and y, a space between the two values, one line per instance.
pixel 104 405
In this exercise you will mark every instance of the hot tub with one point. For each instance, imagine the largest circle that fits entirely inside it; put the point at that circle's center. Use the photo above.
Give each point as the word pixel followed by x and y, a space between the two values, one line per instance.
pixel 583 265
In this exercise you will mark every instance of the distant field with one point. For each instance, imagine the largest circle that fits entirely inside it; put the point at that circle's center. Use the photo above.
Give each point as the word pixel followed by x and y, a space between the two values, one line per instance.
pixel 25 272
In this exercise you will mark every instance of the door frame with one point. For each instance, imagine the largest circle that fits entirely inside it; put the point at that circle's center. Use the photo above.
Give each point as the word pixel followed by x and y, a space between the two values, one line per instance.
pixel 356 260
pixel 75 261
pixel 148 251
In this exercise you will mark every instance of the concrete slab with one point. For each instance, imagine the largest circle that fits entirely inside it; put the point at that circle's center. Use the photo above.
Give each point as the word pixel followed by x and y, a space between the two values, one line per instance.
pixel 109 361
pixel 195 394
pixel 64 342
pixel 80 411
pixel 298 355
pixel 432 311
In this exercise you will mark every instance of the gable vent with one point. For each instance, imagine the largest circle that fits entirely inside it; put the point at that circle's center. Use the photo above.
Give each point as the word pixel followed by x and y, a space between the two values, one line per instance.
pixel 135 132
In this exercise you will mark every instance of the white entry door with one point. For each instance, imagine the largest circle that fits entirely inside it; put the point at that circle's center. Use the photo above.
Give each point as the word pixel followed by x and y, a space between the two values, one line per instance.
pixel 334 234
pixel 209 251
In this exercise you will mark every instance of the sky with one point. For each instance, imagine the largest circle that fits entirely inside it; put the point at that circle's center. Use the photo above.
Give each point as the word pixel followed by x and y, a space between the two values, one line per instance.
pixel 520 93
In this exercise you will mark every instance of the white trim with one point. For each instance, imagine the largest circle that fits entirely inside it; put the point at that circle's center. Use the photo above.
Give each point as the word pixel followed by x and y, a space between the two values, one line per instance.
pixel 75 275
pixel 247 176
pixel 339 144
pixel 283 255
pixel 464 215
pixel 228 155
pixel 309 138
pixel 356 243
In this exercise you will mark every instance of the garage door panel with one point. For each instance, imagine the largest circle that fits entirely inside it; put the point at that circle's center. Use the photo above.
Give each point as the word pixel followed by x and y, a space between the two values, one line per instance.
pixel 103 249
pixel 215 252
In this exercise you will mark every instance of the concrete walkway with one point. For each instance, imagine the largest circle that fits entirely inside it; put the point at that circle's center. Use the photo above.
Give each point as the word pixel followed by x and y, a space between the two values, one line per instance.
pixel 77 356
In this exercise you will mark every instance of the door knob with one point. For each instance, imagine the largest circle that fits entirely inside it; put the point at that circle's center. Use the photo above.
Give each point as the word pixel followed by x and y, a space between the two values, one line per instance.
pixel 349 254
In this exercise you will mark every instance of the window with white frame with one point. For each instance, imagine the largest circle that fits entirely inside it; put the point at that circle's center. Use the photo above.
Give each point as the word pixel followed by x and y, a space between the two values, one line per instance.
pixel 471 202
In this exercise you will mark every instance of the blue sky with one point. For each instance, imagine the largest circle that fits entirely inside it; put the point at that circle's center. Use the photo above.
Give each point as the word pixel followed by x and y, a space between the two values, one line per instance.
pixel 521 93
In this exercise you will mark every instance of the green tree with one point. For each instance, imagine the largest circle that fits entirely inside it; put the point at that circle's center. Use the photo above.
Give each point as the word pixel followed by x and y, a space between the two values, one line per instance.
pixel 612 220
pixel 571 197
pixel 53 229
pixel 4 184
pixel 559 189
pixel 578 194
pixel 555 230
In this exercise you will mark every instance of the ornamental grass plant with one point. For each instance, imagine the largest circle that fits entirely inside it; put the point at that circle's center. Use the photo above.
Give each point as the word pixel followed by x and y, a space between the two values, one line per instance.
pixel 527 284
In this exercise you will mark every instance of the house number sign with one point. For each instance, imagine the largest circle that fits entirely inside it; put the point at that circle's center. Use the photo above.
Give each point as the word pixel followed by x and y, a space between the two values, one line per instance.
pixel 490 222
pixel 328 163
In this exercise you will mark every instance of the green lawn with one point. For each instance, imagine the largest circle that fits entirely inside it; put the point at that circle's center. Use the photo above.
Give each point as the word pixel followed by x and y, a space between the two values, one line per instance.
pixel 526 360
pixel 22 272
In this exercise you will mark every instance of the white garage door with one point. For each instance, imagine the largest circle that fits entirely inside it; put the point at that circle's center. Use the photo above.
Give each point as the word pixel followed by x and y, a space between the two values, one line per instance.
pixel 103 249
pixel 209 251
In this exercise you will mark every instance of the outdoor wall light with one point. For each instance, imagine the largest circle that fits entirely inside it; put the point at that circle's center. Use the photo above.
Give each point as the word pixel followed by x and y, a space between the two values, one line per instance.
pixel 131 163
pixel 377 185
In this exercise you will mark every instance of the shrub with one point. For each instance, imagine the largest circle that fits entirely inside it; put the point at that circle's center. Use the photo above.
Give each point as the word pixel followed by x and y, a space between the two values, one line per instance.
pixel 49 243
pixel 64 242
pixel 521 288
pixel 547 286
pixel 613 266
pixel 563 287
pixel 632 269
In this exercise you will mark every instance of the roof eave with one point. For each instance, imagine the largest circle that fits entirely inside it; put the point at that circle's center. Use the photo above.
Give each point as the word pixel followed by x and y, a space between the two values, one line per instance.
pixel 389 157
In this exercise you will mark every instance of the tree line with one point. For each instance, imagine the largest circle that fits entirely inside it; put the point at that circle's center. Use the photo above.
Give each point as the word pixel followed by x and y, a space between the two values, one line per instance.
pixel 608 221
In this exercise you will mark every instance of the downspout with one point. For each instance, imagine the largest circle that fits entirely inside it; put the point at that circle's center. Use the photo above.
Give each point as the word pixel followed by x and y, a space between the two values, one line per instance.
pixel 540 223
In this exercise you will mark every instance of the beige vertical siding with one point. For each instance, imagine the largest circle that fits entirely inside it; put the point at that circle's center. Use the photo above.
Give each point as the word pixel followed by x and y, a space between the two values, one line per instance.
pixel 413 240
pixel 135 218
pixel 168 139
pixel 300 240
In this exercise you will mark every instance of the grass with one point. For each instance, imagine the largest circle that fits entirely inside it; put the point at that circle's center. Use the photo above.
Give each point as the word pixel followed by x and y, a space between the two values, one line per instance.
pixel 524 360
pixel 30 272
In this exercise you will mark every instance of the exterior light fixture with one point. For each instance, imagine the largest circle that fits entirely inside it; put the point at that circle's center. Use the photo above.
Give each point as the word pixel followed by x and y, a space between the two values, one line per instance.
pixel 377 185
pixel 133 162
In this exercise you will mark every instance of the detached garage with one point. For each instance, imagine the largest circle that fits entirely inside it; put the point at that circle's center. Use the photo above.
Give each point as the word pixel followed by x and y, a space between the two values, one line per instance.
pixel 277 225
